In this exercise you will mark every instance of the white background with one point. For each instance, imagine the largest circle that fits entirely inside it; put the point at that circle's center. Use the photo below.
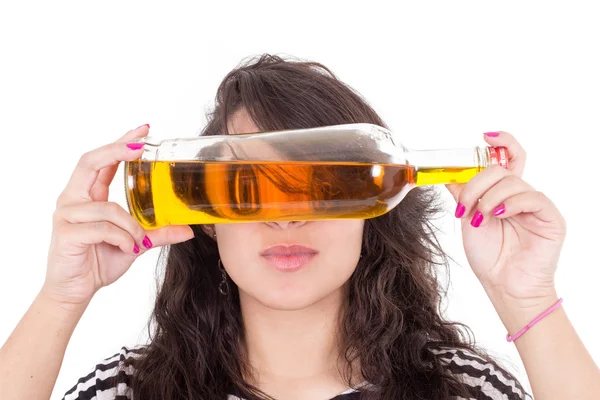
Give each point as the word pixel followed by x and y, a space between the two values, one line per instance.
pixel 76 75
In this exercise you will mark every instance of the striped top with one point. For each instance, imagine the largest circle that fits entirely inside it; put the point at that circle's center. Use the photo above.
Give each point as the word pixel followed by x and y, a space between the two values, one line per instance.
pixel 485 381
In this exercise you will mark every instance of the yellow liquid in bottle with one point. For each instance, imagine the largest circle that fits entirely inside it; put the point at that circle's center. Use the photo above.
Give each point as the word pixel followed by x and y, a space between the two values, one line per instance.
pixel 163 193
pixel 433 176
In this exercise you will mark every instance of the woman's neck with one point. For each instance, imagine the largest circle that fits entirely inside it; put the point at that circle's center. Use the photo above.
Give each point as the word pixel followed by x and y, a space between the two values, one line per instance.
pixel 293 346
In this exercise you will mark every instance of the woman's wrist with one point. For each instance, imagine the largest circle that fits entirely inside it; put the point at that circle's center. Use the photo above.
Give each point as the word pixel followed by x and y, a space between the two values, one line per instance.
pixel 62 310
pixel 515 314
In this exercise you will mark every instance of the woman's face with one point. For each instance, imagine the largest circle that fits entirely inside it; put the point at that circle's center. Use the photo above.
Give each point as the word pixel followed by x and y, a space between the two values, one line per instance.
pixel 259 259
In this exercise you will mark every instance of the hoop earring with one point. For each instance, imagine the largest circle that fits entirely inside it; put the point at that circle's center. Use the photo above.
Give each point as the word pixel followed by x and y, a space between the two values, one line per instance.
pixel 224 285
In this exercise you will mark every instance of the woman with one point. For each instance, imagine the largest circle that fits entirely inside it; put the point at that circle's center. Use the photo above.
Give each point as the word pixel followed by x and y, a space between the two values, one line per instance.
pixel 361 319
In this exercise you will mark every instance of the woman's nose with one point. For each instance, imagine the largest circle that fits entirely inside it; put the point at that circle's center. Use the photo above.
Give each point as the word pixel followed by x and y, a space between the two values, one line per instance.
pixel 286 224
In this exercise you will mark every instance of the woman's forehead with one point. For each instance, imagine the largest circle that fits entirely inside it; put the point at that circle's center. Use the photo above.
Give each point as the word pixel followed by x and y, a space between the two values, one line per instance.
pixel 241 122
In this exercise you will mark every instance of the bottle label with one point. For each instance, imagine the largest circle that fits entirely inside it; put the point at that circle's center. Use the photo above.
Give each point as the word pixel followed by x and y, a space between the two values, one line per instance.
pixel 499 156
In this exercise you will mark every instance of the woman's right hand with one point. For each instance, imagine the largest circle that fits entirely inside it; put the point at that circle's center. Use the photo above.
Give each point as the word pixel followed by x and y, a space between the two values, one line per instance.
pixel 94 242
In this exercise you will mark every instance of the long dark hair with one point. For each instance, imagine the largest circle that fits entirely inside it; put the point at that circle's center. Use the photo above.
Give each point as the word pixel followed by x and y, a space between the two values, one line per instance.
pixel 392 318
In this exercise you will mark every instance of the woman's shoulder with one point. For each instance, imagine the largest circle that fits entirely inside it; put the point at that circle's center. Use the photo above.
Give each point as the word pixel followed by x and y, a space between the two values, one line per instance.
pixel 485 378
pixel 109 379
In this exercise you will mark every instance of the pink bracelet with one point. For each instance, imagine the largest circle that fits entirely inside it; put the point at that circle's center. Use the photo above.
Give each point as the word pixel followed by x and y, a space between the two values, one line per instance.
pixel 529 325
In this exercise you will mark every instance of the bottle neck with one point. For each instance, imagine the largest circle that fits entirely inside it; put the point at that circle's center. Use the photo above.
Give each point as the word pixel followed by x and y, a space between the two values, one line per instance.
pixel 449 165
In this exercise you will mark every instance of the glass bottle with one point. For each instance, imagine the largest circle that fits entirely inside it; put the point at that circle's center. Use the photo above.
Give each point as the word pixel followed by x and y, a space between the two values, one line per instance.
pixel 332 172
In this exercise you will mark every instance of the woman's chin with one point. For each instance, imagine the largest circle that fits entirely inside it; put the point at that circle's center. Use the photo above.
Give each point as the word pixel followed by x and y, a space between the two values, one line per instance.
pixel 287 300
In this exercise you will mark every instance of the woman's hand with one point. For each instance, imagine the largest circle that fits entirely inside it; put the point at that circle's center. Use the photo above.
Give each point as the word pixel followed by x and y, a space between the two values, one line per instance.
pixel 512 234
pixel 94 242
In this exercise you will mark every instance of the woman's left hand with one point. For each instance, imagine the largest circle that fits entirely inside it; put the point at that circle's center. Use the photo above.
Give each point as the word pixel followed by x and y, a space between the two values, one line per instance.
pixel 512 234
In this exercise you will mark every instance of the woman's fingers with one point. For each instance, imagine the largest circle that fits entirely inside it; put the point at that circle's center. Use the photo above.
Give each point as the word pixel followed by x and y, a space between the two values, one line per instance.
pixel 493 201
pixel 88 168
pixel 533 202
pixel 94 211
pixel 107 174
pixel 474 190
pixel 171 234
pixel 498 193
pixel 455 189
pixel 90 233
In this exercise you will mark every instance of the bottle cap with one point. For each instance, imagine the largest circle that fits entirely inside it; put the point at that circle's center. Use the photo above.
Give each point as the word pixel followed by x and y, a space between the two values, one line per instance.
pixel 499 156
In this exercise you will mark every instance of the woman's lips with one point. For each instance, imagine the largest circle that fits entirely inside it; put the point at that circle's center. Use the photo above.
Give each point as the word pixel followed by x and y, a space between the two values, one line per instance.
pixel 288 258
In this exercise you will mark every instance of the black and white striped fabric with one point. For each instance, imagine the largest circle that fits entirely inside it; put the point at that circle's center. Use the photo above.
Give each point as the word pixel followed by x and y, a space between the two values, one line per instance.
pixel 485 381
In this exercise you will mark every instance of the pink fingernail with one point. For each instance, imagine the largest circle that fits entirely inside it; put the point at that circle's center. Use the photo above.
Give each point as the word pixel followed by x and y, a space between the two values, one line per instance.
pixel 499 210
pixel 136 249
pixel 492 134
pixel 146 242
pixel 135 146
pixel 460 210
pixel 477 219
pixel 148 125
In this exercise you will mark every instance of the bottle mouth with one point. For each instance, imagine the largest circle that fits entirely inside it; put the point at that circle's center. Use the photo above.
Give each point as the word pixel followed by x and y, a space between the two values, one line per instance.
pixel 481 157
